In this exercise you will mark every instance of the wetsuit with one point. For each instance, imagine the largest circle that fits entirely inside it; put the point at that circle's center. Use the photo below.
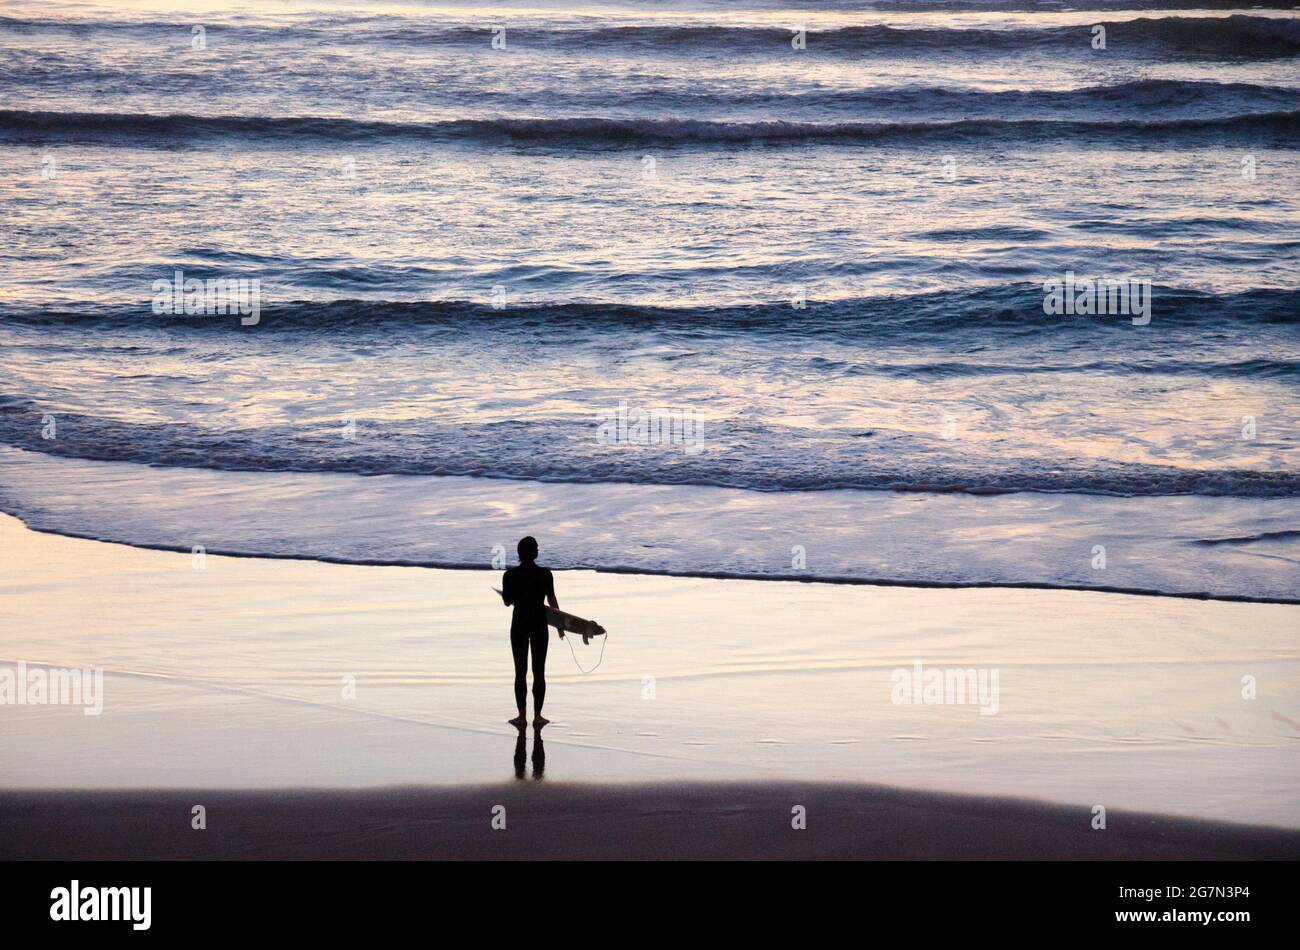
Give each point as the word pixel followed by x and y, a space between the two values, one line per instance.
pixel 527 587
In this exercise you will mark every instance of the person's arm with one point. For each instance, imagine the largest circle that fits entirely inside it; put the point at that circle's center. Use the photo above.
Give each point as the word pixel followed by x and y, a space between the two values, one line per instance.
pixel 507 594
pixel 550 599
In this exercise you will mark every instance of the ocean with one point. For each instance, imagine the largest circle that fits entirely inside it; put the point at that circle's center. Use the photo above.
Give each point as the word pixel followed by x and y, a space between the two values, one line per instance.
pixel 805 250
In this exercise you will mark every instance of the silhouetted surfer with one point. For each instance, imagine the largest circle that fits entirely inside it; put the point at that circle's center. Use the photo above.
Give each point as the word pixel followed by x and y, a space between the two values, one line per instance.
pixel 526 586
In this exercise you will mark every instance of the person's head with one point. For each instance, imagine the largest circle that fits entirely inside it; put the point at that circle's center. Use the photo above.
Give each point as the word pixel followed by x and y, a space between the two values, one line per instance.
pixel 527 549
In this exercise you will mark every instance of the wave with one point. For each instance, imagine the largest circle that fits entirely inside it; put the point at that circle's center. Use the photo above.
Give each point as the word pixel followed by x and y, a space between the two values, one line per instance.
pixel 741 452
pixel 1260 368
pixel 758 458
pixel 1284 535
pixel 1279 128
pixel 1199 98
pixel 1238 35
pixel 1005 309
pixel 1138 94
pixel 999 332
pixel 912 102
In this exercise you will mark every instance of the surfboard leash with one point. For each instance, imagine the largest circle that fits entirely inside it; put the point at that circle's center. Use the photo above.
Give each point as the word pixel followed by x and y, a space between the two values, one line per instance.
pixel 600 659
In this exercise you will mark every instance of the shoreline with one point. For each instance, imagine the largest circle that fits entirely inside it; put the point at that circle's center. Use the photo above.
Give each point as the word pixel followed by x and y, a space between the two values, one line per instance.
pixel 543 821
pixel 1159 546
pixel 701 575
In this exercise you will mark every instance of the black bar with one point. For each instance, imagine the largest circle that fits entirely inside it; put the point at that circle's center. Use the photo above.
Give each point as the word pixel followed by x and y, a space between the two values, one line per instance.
pixel 444 902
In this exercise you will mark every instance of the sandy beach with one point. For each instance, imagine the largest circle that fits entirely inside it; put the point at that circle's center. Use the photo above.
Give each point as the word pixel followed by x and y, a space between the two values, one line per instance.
pixel 336 703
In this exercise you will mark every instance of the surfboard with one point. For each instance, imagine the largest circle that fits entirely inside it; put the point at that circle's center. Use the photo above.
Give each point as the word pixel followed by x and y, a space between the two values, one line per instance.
pixel 565 622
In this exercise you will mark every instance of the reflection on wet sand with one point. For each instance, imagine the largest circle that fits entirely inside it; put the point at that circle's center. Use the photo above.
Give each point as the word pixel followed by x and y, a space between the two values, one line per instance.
pixel 521 754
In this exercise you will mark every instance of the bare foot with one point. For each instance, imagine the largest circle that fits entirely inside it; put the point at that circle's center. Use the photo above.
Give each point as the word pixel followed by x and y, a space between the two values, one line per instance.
pixel 539 721
pixel 519 722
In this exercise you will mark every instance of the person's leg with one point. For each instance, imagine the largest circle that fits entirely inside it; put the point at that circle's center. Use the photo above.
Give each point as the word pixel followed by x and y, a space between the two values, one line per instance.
pixel 519 647
pixel 539 642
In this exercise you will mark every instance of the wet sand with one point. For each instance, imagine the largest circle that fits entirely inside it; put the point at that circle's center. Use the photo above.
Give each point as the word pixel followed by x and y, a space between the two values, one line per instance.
pixel 226 682
pixel 743 821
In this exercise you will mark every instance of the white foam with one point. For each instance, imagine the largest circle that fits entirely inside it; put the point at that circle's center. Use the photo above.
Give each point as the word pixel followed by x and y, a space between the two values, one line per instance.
pixel 1150 543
